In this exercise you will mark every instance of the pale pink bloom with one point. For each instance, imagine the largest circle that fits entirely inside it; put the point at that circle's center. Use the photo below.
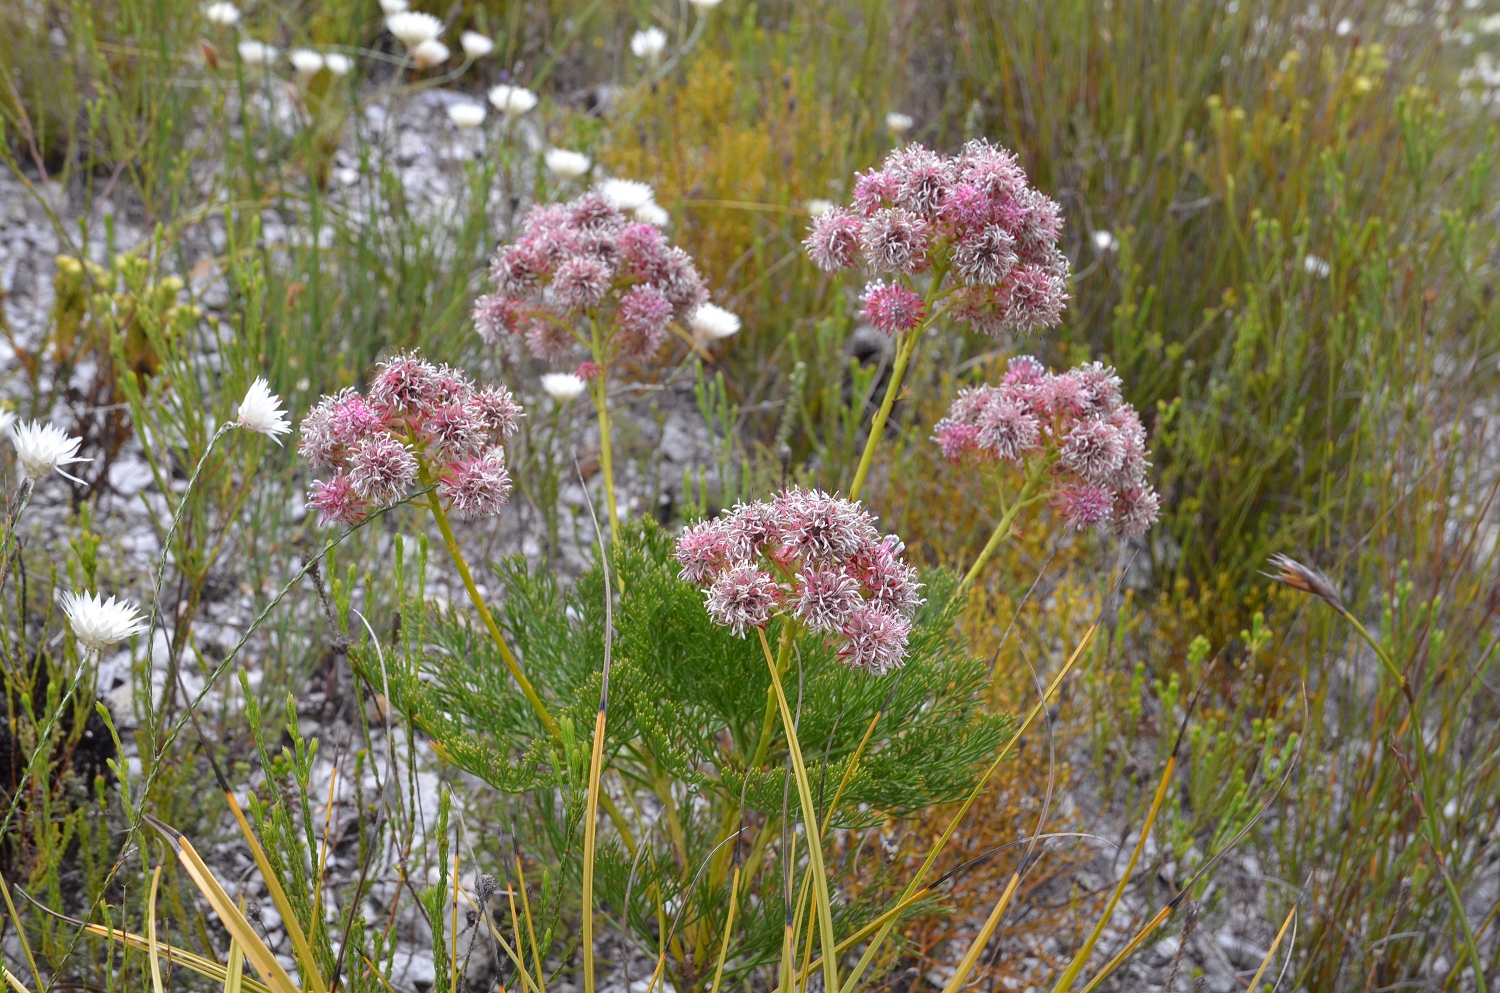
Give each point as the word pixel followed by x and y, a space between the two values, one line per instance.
pixel 1093 451
pixel 887 580
pixel 1025 370
pixel 702 550
pixel 547 339
pixel 1007 427
pixel 1083 504
pixel 892 308
pixel 496 316
pixel 381 469
pixel 642 318
pixel 957 440
pixel 876 639
pixel 894 240
pixel 874 190
pixel 751 529
pixel 681 282
pixel 497 409
pixel 581 283
pixel 405 384
pixel 923 179
pixel 478 486
pixel 336 500
pixel 820 527
pixel 1135 511
pixel 824 598
pixel 985 256
pixel 455 429
pixel 833 240
pixel 742 598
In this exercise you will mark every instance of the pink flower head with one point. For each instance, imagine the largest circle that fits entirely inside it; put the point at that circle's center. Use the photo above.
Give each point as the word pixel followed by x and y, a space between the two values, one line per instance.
pixel 1093 451
pixel 702 550
pixel 825 598
pixel 496 316
pixel 592 212
pixel 873 190
pixel 334 498
pixel 1007 426
pixel 1101 386
pixel 1083 504
pixel 1025 370
pixel 1066 395
pixel 742 597
pixel 991 170
pixel 819 527
pixel 894 240
pixel 404 385
pixel 1135 511
pixel 545 218
pixel 923 179
pixel 751 529
pixel 887 580
pixel 985 256
pixel 455 429
pixel 876 639
pixel 497 410
pixel 834 239
pixel 547 338
pixel 892 308
pixel 957 440
pixel 381 469
pixel 581 283
pixel 681 283
pixel 477 486
pixel 642 318
pixel 587 371
pixel 1032 297
pixel 642 252
pixel 516 270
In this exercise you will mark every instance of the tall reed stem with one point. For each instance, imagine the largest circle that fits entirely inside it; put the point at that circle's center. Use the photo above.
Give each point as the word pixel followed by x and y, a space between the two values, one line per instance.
pixel 809 821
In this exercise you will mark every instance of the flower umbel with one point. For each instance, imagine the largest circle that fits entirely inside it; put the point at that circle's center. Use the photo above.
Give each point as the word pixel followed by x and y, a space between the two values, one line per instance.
pixel 811 557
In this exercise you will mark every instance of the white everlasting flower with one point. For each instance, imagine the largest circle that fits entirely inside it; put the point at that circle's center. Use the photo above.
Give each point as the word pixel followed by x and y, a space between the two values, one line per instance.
pixel 626 194
pixel 97 623
pixel 389 7
pixel 44 448
pixel 1344 27
pixel 412 27
pixel 818 207
pixel 223 15
pixel 306 61
pixel 1315 266
pixel 466 115
pixel 261 411
pixel 339 65
pixel 565 164
pixel 563 386
pixel 7 419
pixel 898 123
pixel 1106 241
pixel 704 6
pixel 652 213
pixel 512 101
pixel 256 53
pixel 649 44
pixel 1450 809
pixel 430 53
pixel 476 45
pixel 1489 25
pixel 714 322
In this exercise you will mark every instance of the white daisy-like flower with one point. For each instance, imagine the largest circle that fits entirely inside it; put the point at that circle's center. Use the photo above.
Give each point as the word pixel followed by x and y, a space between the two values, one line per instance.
pixel 626 194
pixel 817 207
pixel 7 419
pixel 412 27
pixel 466 115
pixel 1106 241
pixel 1317 267
pixel 565 164
pixel 389 7
pixel 221 14
pixel 339 65
pixel 704 6
pixel 430 53
pixel 649 44
pixel 563 386
pixel 305 61
pixel 715 322
pixel 261 411
pixel 256 53
pixel 652 213
pixel 99 623
pixel 44 448
pixel 476 45
pixel 898 123
pixel 1344 27
pixel 512 101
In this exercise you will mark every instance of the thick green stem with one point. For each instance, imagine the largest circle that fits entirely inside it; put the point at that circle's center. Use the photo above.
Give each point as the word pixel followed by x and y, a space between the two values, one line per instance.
pixel 904 349
pixel 511 663
pixel 810 823
pixel 1002 530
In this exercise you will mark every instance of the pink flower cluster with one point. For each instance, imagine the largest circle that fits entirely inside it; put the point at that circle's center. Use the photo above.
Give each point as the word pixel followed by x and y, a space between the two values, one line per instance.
pixel 1099 473
pixel 415 414
pixel 971 216
pixel 816 558
pixel 586 258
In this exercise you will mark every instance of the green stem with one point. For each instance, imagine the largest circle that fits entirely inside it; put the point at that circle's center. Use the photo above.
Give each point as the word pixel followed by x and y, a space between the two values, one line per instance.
pixel 1002 530
pixel 514 666
pixel 904 349
pixel 599 389
pixel 810 823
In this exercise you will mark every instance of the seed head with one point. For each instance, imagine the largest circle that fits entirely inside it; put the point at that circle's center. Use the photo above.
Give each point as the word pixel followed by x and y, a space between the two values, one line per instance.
pixel 1307 579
